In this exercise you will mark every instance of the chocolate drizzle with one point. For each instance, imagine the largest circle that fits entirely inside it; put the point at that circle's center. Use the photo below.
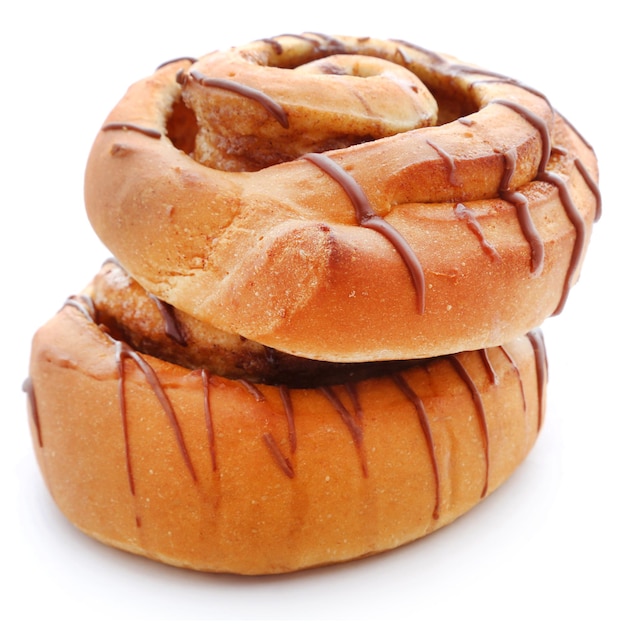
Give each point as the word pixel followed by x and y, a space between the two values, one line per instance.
pixel 321 43
pixel 277 48
pixel 435 58
pixel 491 371
pixel 356 403
pixel 544 175
pixel 285 397
pixel 579 226
pixel 498 78
pixel 208 416
pixel 124 412
pixel 355 429
pixel 493 376
pixel 252 390
pixel 366 217
pixel 408 392
pixel 448 160
pixel 520 202
pixel 173 329
pixel 480 410
pixel 268 103
pixel 190 59
pixel 124 125
pixel 85 306
pixel 541 362
pixel 283 462
pixel 122 353
pixel 593 187
pixel 509 357
pixel 466 121
pixel 465 214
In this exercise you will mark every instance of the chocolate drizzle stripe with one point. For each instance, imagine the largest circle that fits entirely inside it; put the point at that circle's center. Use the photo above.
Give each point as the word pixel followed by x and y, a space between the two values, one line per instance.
pixel 593 187
pixel 544 175
pixel 541 363
pixel 84 305
pixel 465 214
pixel 449 162
pixel 29 389
pixel 410 394
pixel 252 390
pixel 433 56
pixel 191 59
pixel 480 409
pixel 537 123
pixel 124 413
pixel 356 403
pixel 366 217
pixel 285 397
pixel 321 44
pixel 578 222
pixel 275 45
pixel 523 213
pixel 332 43
pixel 172 326
pixel 404 57
pixel 268 103
pixel 505 80
pixel 123 125
pixel 509 357
pixel 208 416
pixel 282 461
pixel 457 68
pixel 122 352
pixel 353 427
pixel 491 371
pixel 466 121
pixel 314 42
pixel 559 150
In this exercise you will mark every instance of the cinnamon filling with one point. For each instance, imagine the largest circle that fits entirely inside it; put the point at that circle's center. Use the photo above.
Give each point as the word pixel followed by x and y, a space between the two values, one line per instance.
pixel 152 327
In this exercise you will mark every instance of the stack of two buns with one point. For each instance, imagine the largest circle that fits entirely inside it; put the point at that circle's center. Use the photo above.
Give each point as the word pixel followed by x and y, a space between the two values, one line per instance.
pixel 318 338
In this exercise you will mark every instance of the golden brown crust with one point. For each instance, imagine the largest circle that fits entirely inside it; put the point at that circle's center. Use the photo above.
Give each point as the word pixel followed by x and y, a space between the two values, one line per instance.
pixel 252 485
pixel 278 255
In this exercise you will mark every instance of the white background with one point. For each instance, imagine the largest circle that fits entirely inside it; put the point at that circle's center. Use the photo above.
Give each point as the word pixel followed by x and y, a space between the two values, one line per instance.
pixel 548 545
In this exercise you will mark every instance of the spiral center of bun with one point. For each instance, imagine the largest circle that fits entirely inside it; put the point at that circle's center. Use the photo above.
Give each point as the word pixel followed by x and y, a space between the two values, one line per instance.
pixel 251 114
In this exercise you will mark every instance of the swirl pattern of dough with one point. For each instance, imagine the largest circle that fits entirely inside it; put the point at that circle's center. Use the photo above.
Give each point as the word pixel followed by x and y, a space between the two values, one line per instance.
pixel 374 250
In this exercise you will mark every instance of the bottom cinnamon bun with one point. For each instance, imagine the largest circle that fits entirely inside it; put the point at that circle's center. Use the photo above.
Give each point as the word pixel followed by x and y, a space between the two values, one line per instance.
pixel 201 471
